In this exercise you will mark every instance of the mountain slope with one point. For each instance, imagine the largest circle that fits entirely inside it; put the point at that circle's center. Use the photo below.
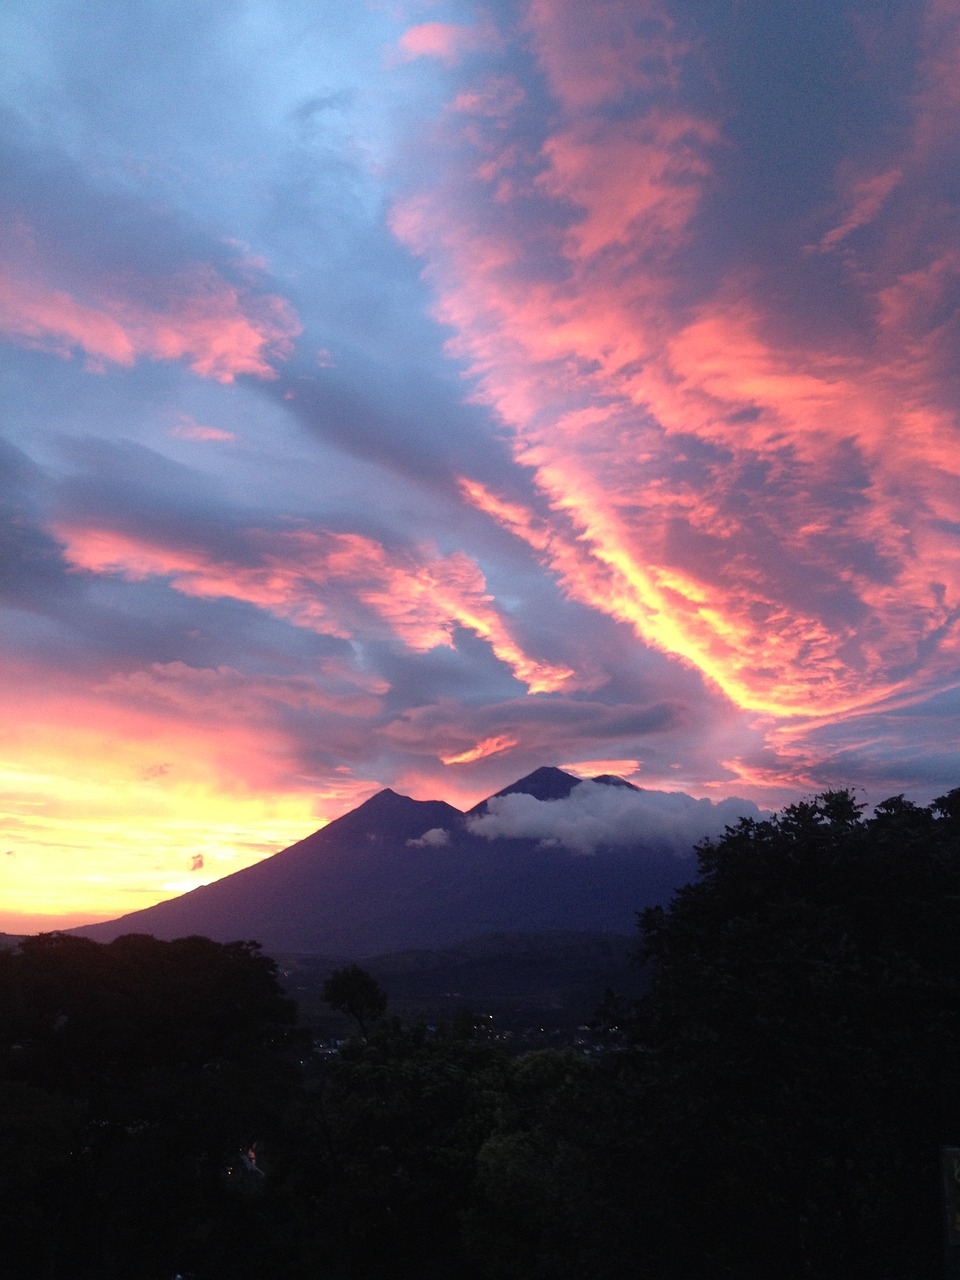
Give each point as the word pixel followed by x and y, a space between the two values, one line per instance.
pixel 546 783
pixel 397 873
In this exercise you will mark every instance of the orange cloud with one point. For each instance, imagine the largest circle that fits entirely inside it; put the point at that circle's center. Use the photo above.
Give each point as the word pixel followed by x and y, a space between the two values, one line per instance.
pixel 517 519
pixel 593 768
pixel 488 747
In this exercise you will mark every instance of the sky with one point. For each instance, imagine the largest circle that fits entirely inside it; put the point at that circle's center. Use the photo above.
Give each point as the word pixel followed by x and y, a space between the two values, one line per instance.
pixel 413 393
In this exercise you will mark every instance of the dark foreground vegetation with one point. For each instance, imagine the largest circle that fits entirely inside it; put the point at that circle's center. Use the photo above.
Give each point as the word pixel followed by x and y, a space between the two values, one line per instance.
pixel 773 1106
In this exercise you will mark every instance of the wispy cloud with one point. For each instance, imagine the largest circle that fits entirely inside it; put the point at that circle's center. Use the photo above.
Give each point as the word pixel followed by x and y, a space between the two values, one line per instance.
pixel 206 322
pixel 749 495
pixel 340 584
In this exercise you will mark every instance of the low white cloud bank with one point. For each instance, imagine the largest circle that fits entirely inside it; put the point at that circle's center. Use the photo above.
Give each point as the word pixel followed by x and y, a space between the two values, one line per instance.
pixel 430 839
pixel 596 814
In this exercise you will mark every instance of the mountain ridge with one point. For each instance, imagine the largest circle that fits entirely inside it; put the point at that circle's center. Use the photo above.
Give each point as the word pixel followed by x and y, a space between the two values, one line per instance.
pixel 398 874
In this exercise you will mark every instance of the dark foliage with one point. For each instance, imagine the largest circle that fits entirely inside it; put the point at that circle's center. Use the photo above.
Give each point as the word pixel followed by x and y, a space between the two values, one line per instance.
pixel 437 1153
pixel 356 993
pixel 131 1077
pixel 773 1105
pixel 802 1042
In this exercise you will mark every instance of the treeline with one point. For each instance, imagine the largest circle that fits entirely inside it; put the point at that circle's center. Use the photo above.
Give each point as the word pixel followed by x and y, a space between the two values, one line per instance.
pixel 773 1106
pixel 130 1076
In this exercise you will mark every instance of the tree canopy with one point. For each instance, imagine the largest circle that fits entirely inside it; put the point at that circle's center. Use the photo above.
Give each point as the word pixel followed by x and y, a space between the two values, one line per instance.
pixel 131 1076
pixel 355 992
pixel 802 1038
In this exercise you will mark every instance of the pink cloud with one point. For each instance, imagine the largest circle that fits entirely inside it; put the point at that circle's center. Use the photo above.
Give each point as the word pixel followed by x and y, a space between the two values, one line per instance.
pixel 225 696
pixel 495 97
pixel 595 52
pixel 219 329
pixel 186 429
pixel 639 394
pixel 936 98
pixel 637 182
pixel 447 41
pixel 866 198
pixel 339 584
pixel 38 316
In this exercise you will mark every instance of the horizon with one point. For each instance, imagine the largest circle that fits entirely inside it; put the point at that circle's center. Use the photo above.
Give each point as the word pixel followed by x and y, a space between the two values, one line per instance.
pixel 17 924
pixel 400 397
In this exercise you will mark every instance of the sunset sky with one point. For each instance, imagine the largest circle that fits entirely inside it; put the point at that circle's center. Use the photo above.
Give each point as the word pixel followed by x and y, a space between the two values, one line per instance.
pixel 414 393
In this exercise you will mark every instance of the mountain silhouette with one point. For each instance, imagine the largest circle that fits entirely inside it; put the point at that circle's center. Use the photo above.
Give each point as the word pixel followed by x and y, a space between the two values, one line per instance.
pixel 545 783
pixel 397 873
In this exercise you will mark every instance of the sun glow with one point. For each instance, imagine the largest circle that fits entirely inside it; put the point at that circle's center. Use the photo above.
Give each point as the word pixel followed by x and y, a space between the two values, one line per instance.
pixel 110 806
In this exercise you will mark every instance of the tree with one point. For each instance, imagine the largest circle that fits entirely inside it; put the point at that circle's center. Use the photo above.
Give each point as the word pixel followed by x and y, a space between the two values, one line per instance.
pixel 131 1074
pixel 437 1152
pixel 355 992
pixel 800 1043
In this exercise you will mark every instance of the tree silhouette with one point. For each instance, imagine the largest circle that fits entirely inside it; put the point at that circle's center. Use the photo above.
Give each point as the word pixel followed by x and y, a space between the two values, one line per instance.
pixel 131 1076
pixel 801 1041
pixel 355 992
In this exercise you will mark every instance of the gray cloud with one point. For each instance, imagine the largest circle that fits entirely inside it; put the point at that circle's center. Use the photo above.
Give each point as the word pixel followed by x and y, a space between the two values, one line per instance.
pixel 33 573
pixel 432 839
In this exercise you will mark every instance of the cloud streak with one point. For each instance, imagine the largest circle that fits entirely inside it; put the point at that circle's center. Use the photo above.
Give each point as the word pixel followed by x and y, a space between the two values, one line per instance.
pixel 757 501
pixel 339 584
pixel 218 331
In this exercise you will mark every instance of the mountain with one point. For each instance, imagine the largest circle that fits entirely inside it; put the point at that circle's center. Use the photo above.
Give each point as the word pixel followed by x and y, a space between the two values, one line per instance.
pixel 399 874
pixel 543 784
